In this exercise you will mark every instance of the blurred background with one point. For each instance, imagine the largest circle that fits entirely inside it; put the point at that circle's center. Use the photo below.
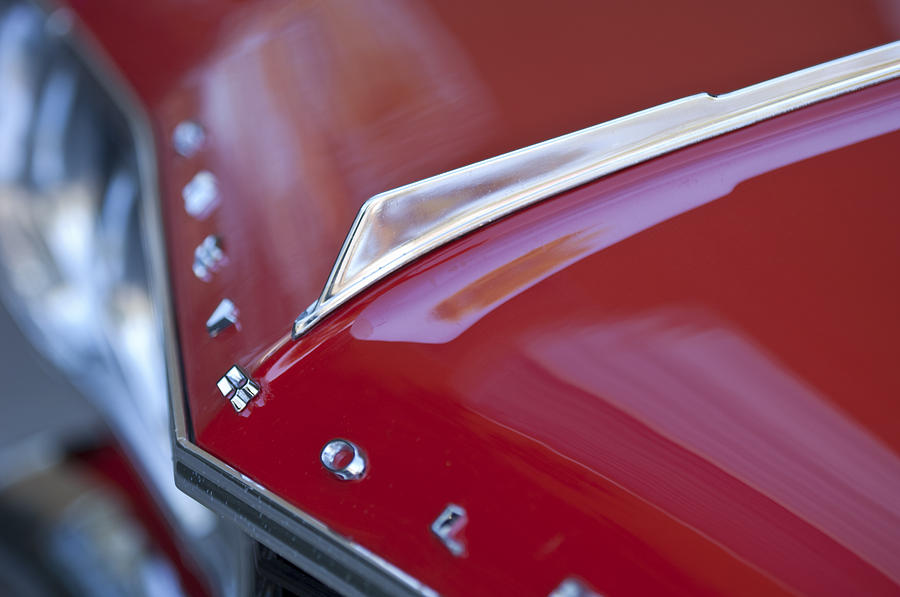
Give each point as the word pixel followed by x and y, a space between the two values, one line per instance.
pixel 85 419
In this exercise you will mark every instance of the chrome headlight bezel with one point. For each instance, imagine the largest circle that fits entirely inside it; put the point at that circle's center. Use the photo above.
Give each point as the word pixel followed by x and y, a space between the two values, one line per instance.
pixel 125 376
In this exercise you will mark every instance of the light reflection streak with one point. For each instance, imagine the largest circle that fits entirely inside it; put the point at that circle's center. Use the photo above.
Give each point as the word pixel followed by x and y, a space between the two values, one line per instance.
pixel 707 388
pixel 349 95
pixel 687 413
pixel 621 214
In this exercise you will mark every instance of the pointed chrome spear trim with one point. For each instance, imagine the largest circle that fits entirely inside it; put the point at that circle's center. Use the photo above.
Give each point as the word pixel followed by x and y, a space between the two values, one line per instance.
pixel 398 226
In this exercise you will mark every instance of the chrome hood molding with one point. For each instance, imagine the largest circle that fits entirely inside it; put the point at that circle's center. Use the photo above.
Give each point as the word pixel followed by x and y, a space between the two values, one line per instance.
pixel 398 226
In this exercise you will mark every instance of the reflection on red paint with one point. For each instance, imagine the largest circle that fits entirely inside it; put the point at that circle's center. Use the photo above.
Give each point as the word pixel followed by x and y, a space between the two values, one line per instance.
pixel 312 107
pixel 709 390
pixel 480 283
pixel 692 391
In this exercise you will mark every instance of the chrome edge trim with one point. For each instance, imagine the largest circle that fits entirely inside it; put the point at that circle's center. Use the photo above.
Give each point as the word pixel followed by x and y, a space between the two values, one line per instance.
pixel 398 226
pixel 289 531
pixel 346 566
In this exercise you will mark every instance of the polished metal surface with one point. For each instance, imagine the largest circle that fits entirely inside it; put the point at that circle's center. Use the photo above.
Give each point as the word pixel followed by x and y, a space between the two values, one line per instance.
pixel 188 138
pixel 396 227
pixel 222 318
pixel 344 460
pixel 208 257
pixel 224 386
pixel 244 395
pixel 201 194
pixel 448 528
pixel 237 387
pixel 236 376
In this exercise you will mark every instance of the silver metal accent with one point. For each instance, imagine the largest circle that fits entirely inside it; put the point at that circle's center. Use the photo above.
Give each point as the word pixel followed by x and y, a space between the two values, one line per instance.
pixel 200 194
pixel 307 319
pixel 396 227
pixel 448 526
pixel 235 376
pixel 572 587
pixel 293 533
pixel 244 395
pixel 344 460
pixel 224 386
pixel 237 387
pixel 188 137
pixel 308 543
pixel 208 256
pixel 222 318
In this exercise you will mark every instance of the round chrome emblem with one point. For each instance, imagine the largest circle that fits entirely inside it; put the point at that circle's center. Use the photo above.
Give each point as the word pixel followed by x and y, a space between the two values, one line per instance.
pixel 344 460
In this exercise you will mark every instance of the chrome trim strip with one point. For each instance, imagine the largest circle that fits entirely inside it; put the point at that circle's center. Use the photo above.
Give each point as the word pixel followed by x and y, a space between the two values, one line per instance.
pixel 348 567
pixel 289 531
pixel 398 226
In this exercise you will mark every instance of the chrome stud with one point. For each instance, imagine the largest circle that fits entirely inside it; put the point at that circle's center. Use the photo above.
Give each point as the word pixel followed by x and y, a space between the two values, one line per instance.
pixel 222 318
pixel 225 388
pixel 344 460
pixel 237 387
pixel 448 528
pixel 208 256
pixel 188 138
pixel 200 194
pixel 571 587
pixel 235 376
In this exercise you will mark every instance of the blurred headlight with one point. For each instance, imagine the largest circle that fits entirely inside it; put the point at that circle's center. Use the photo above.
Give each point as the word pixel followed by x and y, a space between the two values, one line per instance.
pixel 72 267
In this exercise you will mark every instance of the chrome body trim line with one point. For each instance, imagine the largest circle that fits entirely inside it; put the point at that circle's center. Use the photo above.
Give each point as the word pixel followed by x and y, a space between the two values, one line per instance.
pixel 187 138
pixel 349 568
pixel 398 226
pixel 308 543
pixel 289 531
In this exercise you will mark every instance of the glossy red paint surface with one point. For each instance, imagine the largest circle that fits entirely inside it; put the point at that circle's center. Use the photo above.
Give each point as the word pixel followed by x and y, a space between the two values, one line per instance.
pixel 312 107
pixel 678 379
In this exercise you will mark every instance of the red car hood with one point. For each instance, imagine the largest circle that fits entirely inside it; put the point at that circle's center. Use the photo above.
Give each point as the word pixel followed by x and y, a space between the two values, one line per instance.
pixel 679 378
pixel 312 107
